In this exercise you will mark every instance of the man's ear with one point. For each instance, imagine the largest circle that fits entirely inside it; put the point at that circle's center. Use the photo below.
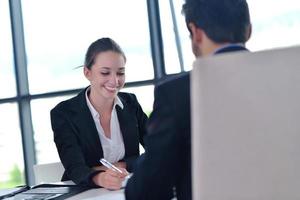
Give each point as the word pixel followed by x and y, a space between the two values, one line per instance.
pixel 87 72
pixel 249 32
pixel 196 33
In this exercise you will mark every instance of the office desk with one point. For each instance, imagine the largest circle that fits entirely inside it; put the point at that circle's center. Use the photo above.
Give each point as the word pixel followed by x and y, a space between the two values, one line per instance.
pixel 99 194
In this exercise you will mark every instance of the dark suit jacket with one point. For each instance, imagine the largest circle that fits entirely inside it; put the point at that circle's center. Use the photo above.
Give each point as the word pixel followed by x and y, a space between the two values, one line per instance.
pixel 77 139
pixel 166 163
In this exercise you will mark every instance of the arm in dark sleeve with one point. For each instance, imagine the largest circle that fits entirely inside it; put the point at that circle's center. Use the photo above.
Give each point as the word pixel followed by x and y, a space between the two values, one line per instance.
pixel 155 171
pixel 69 150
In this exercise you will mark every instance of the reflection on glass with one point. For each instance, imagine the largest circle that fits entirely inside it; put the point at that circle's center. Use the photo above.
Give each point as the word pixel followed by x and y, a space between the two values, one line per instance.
pixel 6 54
pixel 11 153
pixel 144 95
pixel 43 136
pixel 56 43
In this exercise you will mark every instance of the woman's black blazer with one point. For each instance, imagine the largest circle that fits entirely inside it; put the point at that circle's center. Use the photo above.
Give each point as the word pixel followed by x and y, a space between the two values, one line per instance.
pixel 77 139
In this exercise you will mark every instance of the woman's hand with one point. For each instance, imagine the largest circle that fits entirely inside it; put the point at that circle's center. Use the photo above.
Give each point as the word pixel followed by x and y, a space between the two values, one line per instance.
pixel 117 164
pixel 120 165
pixel 110 179
pixel 100 168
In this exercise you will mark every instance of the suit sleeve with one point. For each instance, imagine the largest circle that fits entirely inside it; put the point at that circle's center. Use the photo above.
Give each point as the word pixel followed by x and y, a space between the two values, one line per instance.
pixel 69 150
pixel 156 169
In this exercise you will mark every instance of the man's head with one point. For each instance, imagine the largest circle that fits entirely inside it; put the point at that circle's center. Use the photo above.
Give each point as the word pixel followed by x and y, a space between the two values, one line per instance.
pixel 219 21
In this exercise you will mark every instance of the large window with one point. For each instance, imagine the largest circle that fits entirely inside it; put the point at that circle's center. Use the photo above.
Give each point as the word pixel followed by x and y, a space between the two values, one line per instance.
pixel 176 41
pixel 276 23
pixel 7 79
pixel 58 33
pixel 145 96
pixel 11 154
pixel 43 136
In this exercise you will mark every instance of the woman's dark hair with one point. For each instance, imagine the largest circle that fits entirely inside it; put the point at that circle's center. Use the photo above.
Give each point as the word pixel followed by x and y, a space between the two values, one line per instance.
pixel 221 20
pixel 101 45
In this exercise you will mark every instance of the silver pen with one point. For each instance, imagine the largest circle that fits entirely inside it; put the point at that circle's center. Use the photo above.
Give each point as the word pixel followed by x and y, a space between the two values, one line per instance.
pixel 109 165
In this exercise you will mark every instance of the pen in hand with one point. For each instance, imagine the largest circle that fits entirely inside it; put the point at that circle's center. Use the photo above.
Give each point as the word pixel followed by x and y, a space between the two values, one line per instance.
pixel 113 167
pixel 109 165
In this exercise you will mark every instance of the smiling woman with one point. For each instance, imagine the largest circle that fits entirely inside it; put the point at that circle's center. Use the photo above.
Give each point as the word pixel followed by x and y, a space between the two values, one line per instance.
pixel 105 69
pixel 108 74
pixel 100 122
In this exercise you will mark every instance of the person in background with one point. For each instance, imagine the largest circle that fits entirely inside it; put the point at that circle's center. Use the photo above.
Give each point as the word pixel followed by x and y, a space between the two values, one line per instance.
pixel 164 170
pixel 100 122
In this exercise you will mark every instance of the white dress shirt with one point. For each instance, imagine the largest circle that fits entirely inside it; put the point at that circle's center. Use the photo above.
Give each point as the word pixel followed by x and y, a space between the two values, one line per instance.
pixel 113 148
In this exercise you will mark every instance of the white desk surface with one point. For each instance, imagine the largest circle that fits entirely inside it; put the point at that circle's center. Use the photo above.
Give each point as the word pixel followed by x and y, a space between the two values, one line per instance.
pixel 97 193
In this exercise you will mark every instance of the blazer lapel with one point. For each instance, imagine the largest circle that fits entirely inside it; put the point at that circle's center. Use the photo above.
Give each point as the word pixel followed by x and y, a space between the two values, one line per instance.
pixel 86 124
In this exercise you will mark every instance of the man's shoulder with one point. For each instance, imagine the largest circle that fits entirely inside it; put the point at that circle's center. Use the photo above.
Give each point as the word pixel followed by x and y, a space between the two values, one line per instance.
pixel 126 95
pixel 70 104
pixel 127 98
pixel 176 81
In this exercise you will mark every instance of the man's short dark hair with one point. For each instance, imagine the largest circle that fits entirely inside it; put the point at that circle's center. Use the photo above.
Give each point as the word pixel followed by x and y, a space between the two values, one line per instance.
pixel 222 20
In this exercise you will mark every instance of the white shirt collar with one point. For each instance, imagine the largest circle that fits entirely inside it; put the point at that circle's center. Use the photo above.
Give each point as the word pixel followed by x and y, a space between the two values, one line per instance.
pixel 94 112
pixel 118 102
